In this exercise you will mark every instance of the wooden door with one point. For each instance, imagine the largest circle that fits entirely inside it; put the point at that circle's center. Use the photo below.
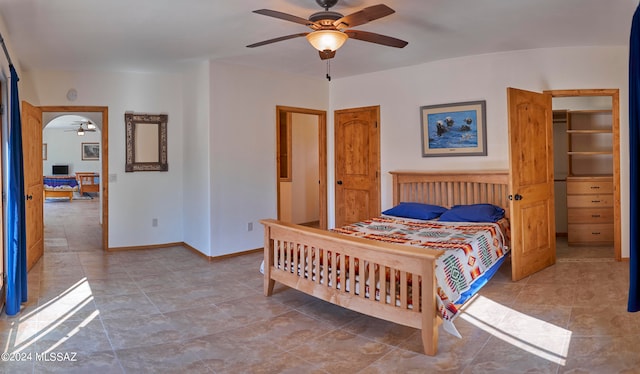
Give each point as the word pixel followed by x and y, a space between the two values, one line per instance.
pixel 32 149
pixel 357 158
pixel 533 245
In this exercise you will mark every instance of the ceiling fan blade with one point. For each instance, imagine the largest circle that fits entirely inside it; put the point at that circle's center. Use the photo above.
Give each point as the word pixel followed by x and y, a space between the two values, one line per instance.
pixel 286 17
pixel 372 37
pixel 363 16
pixel 274 40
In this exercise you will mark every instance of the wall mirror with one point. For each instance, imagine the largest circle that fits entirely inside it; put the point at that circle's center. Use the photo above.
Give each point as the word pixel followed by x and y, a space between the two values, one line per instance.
pixel 146 142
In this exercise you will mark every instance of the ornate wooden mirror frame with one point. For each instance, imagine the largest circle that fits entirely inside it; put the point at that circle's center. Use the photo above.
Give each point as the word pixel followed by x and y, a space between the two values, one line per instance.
pixel 146 142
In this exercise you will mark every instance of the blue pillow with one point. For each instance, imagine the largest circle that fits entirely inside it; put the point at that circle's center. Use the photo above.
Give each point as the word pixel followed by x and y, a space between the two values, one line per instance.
pixel 415 210
pixel 473 213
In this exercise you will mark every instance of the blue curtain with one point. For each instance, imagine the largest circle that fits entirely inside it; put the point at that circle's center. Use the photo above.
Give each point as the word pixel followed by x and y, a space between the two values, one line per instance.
pixel 16 225
pixel 634 153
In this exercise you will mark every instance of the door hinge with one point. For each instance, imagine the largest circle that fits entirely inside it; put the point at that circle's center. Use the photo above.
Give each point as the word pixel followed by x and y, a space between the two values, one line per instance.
pixel 376 124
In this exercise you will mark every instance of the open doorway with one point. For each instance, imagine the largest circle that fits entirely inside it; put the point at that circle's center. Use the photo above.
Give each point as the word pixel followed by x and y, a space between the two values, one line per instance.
pixel 301 166
pixel 71 144
pixel 85 221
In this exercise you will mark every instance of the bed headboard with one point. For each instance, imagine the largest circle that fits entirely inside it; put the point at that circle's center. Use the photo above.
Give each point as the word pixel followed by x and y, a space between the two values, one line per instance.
pixel 452 187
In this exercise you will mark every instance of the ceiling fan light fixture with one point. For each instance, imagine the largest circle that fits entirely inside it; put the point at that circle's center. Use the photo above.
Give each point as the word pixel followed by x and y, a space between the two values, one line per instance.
pixel 91 126
pixel 324 40
pixel 80 132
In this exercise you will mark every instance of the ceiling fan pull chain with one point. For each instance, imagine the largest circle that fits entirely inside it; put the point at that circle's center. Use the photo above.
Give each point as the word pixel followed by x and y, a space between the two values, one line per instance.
pixel 329 70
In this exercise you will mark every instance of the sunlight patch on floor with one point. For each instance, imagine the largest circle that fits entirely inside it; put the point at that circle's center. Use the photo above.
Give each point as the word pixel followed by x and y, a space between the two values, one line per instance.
pixel 46 318
pixel 528 333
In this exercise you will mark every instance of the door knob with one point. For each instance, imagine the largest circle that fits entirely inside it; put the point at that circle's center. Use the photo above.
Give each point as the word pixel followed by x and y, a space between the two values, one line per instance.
pixel 339 182
pixel 29 197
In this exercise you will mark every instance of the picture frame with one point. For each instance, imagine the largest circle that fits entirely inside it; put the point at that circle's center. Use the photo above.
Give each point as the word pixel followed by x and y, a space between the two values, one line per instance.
pixel 146 142
pixel 456 129
pixel 90 151
pixel 44 151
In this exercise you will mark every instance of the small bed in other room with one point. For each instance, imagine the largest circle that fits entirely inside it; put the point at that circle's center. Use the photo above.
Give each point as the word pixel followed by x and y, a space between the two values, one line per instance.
pixel 449 260
pixel 88 182
pixel 59 186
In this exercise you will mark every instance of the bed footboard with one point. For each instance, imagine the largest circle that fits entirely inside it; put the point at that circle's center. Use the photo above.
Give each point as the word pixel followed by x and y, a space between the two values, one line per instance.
pixel 374 278
pixel 57 193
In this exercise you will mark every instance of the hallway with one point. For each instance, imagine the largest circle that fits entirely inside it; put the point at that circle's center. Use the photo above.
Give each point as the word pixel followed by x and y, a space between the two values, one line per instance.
pixel 72 226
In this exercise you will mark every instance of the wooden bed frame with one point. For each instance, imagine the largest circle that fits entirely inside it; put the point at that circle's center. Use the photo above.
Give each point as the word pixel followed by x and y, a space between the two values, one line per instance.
pixel 87 182
pixel 58 193
pixel 441 188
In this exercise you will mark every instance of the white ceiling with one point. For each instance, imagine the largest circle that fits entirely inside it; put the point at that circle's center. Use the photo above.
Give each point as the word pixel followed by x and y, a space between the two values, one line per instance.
pixel 146 35
pixel 70 121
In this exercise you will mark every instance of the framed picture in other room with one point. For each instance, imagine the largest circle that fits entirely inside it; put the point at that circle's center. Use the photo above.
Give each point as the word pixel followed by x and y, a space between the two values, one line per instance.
pixel 90 151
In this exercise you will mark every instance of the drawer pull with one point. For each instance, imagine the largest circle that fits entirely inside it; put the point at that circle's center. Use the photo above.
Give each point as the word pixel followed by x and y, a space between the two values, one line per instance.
pixel 595 233
pixel 595 187
pixel 595 216
pixel 595 201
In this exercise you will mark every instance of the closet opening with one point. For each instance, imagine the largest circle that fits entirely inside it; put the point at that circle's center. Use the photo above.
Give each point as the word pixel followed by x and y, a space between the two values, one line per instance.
pixel 586 174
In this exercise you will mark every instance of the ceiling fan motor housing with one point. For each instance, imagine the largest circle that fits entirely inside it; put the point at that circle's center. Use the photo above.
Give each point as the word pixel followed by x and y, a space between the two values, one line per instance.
pixel 325 18
pixel 326 4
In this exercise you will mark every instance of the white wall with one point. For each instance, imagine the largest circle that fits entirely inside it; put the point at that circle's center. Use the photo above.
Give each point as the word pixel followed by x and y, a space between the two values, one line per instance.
pixel 65 148
pixel 237 105
pixel 134 198
pixel 197 166
pixel 401 92
pixel 243 147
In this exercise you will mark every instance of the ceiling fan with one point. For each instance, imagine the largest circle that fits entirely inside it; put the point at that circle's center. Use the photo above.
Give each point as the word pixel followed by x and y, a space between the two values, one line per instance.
pixel 332 29
pixel 90 127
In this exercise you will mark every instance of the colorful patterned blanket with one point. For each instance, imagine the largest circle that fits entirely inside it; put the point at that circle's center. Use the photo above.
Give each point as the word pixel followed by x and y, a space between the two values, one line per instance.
pixel 59 181
pixel 470 250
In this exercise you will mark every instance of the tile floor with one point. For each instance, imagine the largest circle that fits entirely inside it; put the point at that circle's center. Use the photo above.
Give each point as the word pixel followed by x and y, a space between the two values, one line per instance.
pixel 169 310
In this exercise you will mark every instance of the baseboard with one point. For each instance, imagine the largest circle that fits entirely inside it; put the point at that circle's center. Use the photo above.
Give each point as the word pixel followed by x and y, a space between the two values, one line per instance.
pixel 231 255
pixel 194 250
pixel 186 246
pixel 143 247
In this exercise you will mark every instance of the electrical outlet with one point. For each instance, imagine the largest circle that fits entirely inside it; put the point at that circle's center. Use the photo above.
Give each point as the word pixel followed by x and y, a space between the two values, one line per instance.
pixel 250 226
pixel 154 222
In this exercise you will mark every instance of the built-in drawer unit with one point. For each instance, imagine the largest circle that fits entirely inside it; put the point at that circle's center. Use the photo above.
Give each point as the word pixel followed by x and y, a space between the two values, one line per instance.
pixel 584 234
pixel 590 210
pixel 595 215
